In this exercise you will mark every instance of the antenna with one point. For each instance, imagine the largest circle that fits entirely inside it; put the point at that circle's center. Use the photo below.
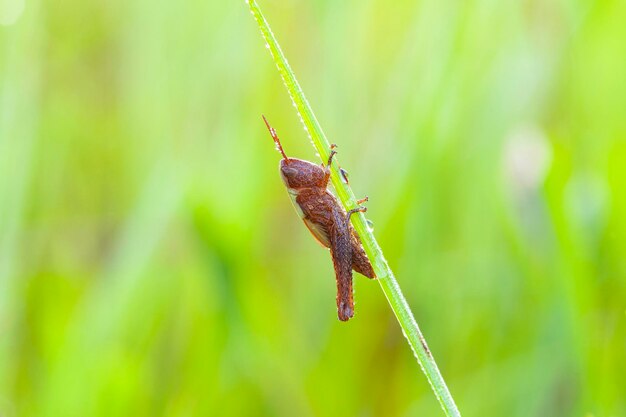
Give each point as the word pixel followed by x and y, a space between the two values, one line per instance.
pixel 275 137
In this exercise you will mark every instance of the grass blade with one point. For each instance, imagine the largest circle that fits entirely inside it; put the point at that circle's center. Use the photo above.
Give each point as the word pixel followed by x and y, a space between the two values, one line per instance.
pixel 387 280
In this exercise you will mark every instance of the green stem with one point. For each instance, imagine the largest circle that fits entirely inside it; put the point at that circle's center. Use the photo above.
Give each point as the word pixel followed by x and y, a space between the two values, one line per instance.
pixel 387 281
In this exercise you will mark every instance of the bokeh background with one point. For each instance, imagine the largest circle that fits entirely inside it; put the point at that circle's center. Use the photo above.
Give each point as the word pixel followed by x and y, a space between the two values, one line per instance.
pixel 151 263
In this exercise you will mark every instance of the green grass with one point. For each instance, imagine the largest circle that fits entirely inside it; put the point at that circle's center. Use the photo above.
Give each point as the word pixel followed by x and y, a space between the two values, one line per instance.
pixel 385 275
pixel 151 266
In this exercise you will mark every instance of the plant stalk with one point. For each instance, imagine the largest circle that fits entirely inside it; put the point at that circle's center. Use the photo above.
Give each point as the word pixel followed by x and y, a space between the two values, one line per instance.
pixel 387 280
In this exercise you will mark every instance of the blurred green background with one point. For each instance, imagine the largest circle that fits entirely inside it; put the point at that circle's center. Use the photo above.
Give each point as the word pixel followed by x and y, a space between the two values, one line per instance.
pixel 151 263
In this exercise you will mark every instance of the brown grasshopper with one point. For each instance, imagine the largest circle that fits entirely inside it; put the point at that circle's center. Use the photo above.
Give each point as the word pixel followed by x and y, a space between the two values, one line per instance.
pixel 327 220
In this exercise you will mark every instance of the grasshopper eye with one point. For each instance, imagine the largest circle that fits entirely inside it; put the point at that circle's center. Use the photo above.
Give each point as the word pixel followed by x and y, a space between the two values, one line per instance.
pixel 288 171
